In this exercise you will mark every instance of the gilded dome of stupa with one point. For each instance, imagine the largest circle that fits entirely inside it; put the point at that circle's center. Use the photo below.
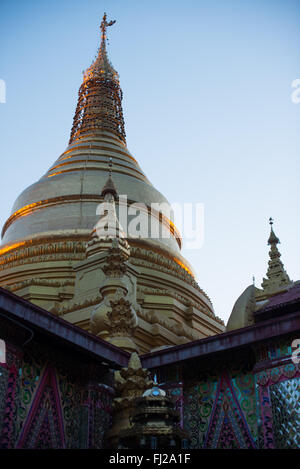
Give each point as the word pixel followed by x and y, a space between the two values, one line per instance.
pixel 46 234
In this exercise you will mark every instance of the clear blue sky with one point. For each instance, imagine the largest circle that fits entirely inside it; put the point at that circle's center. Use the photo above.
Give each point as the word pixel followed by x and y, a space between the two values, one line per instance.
pixel 207 105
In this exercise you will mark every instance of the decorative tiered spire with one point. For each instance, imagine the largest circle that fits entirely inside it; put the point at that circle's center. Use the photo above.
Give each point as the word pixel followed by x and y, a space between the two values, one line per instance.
pixel 108 232
pixel 99 106
pixel 277 279
pixel 109 186
pixel 102 66
pixel 115 318
pixel 154 423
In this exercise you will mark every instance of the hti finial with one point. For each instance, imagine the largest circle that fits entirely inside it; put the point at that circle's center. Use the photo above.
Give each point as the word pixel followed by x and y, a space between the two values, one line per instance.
pixel 99 103
pixel 272 238
pixel 109 186
pixel 104 25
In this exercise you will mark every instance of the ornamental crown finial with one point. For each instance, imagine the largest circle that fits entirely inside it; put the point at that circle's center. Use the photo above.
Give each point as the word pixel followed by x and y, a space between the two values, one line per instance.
pixel 104 25
pixel 272 238
pixel 99 107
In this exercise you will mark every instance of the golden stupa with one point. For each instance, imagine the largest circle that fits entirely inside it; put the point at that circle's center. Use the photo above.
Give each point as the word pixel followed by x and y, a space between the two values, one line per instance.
pixel 47 254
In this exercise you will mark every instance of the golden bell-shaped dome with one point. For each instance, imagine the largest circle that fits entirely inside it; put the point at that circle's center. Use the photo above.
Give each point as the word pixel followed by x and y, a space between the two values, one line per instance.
pixel 52 220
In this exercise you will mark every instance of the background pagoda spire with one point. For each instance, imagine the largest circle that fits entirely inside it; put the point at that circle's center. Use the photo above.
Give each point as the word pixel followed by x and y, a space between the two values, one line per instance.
pixel 277 278
pixel 99 107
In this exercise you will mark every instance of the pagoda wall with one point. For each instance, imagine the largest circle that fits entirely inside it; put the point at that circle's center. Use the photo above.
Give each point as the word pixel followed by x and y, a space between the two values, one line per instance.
pixel 247 399
pixel 51 399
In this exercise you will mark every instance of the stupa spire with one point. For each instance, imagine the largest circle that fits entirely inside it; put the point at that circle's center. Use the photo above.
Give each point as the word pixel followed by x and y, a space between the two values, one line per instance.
pixel 108 231
pixel 277 278
pixel 99 106
pixel 109 186
pixel 101 65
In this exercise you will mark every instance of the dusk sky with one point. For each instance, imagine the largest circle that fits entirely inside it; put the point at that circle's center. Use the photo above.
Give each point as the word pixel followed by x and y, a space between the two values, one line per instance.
pixel 207 106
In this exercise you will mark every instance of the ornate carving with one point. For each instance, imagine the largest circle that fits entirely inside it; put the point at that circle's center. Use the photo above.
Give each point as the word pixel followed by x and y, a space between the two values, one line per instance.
pixel 132 381
pixel 72 306
pixel 122 317
pixel 40 282
pixel 43 252
pixel 114 318
pixel 115 265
